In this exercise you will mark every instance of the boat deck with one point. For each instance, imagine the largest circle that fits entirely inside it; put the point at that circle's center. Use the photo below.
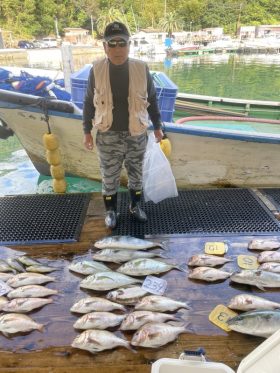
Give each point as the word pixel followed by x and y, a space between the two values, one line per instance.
pixel 50 351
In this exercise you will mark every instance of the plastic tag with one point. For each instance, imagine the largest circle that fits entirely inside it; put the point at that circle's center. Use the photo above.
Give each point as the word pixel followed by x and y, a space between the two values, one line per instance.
pixel 247 262
pixel 215 248
pixel 154 285
pixel 220 315
pixel 4 288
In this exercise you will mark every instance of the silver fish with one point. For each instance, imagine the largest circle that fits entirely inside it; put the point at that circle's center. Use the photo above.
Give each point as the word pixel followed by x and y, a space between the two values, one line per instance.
pixel 269 256
pixel 3 302
pixel 14 323
pixel 23 279
pixel 4 266
pixel 98 320
pixel 107 281
pixel 270 267
pixel 90 304
pixel 127 296
pixel 154 335
pixel 204 260
pixel 208 274
pixel 258 244
pixel 136 319
pixel 159 303
pixel 31 291
pixel 13 263
pixel 40 268
pixel 122 256
pixel 126 242
pixel 25 260
pixel 5 276
pixel 260 279
pixel 249 302
pixel 144 267
pixel 87 267
pixel 23 305
pixel 98 340
pixel 259 323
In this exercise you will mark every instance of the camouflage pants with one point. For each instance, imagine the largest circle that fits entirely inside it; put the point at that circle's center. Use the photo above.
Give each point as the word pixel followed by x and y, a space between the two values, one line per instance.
pixel 114 149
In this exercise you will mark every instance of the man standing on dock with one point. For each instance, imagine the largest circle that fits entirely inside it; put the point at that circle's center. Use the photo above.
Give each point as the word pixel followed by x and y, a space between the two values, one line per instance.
pixel 120 98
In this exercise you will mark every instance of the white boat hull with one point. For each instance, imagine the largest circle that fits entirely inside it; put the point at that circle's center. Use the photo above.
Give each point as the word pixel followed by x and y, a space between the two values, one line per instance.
pixel 200 157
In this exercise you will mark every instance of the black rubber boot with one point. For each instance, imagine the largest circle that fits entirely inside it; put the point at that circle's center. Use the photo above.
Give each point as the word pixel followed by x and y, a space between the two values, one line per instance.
pixel 134 207
pixel 111 211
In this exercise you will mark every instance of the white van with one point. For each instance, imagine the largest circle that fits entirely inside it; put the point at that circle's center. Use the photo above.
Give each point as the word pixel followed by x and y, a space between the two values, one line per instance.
pixel 50 42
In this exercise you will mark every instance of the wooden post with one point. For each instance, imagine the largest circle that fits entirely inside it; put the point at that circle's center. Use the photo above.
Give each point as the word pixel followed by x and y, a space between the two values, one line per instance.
pixel 67 63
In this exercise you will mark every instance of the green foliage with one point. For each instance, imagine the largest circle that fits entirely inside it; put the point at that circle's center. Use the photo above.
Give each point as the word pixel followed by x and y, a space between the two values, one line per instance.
pixel 35 18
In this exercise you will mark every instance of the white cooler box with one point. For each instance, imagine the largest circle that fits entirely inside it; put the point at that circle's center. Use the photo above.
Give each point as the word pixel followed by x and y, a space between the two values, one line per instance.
pixel 264 359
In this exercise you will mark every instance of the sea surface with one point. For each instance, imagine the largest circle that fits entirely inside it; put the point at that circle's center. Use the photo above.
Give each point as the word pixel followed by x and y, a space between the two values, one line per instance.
pixel 228 75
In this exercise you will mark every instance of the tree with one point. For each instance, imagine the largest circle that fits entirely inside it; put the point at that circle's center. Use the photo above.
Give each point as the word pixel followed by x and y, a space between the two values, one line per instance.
pixel 170 23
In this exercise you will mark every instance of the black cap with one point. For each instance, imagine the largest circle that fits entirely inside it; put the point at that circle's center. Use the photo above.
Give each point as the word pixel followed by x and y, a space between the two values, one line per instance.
pixel 116 29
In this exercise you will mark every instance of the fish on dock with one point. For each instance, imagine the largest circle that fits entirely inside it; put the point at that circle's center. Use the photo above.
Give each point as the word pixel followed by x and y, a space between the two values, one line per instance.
pixel 127 243
pixel 208 274
pixel 145 267
pixel 13 263
pixel 40 268
pixel 122 256
pixel 99 340
pixel 12 323
pixel 258 244
pixel 5 276
pixel 5 267
pixel 159 303
pixel 90 304
pixel 3 302
pixel 136 319
pixel 269 256
pixel 258 323
pixel 204 260
pixel 88 267
pixel 26 278
pixel 103 281
pixel 31 291
pixel 127 296
pixel 260 279
pixel 154 335
pixel 27 261
pixel 23 305
pixel 98 320
pixel 270 267
pixel 249 302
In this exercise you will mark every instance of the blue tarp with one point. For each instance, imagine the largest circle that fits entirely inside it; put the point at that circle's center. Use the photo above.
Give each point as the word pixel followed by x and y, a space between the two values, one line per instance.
pixel 34 85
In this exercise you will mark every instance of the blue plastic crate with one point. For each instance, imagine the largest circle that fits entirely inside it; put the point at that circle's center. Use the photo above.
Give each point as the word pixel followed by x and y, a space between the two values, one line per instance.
pixel 79 81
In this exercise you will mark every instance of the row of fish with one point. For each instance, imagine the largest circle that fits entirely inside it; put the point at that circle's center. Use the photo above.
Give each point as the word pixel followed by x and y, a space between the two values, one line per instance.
pixel 23 264
pixel 26 294
pixel 148 319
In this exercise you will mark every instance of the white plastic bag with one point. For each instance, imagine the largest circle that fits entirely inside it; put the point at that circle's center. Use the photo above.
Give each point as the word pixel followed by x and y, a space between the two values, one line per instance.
pixel 158 179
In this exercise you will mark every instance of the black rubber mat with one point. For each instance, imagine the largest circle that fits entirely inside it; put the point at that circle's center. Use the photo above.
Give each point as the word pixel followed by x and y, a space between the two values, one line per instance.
pixel 42 218
pixel 273 194
pixel 213 211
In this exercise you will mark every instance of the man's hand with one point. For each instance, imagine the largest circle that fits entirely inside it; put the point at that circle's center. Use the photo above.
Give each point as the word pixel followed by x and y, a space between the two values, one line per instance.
pixel 158 135
pixel 88 141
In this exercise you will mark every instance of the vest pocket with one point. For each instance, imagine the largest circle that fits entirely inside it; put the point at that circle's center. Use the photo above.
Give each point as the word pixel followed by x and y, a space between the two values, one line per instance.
pixel 141 109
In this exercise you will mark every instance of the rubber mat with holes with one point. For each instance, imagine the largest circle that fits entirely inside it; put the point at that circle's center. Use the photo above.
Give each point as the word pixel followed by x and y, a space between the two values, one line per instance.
pixel 273 194
pixel 47 218
pixel 211 211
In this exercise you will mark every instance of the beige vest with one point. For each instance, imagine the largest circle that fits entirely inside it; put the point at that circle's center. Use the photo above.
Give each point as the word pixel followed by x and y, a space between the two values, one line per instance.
pixel 137 97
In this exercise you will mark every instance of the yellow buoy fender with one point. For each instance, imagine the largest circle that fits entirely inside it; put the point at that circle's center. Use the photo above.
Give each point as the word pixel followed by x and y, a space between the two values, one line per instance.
pixel 59 185
pixel 50 141
pixel 57 171
pixel 165 145
pixel 53 157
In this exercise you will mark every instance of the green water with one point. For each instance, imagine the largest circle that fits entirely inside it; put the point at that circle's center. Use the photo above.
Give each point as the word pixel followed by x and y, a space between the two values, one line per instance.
pixel 236 76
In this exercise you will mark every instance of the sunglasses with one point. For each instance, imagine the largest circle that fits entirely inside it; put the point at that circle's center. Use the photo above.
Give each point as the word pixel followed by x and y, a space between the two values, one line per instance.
pixel 119 43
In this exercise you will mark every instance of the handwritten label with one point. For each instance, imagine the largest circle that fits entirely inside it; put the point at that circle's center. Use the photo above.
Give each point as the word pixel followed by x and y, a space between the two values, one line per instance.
pixel 215 248
pixel 247 262
pixel 4 288
pixel 220 315
pixel 154 285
